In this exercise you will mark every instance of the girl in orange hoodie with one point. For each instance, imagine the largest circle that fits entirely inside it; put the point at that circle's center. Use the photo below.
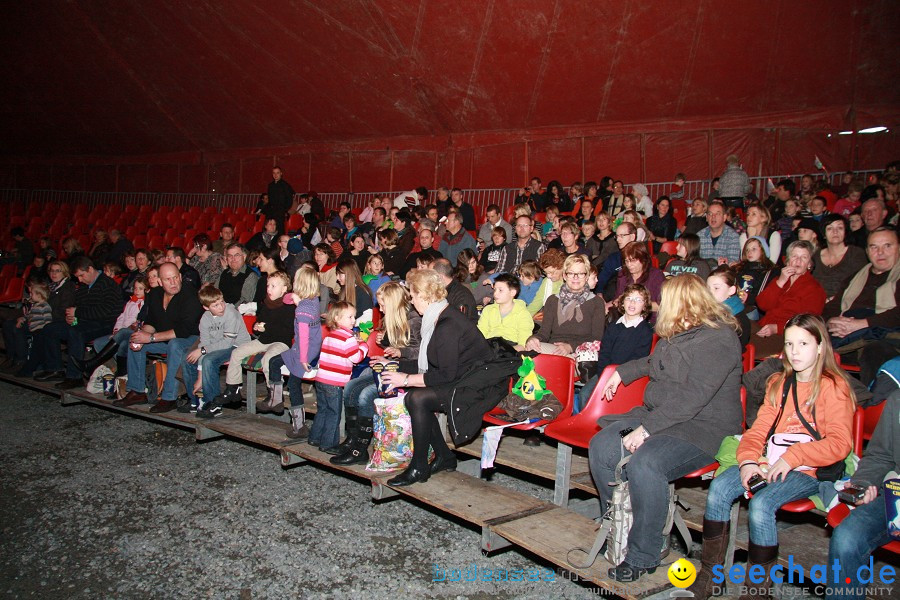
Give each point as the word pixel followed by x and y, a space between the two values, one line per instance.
pixel 813 382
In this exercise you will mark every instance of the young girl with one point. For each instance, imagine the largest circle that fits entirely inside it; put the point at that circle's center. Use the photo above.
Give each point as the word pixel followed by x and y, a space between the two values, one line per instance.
pixel 753 273
pixel 35 316
pixel 340 351
pixel 353 290
pixel 814 385
pixel 400 337
pixel 375 276
pixel 722 283
pixel 627 339
pixel 117 344
pixel 273 330
pixel 688 258
pixel 632 216
pixel 303 352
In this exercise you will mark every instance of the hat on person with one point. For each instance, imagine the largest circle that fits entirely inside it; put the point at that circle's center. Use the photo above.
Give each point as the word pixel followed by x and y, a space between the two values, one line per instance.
pixel 811 224
pixel 295 245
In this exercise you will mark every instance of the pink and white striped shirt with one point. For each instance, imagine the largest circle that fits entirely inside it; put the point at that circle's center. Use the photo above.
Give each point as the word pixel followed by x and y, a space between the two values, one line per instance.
pixel 340 351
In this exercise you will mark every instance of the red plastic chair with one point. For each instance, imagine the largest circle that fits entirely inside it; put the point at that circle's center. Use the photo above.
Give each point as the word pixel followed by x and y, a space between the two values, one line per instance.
pixel 840 512
pixel 559 373
pixel 749 358
pixel 8 271
pixel 871 415
pixel 578 430
pixel 805 504
pixel 249 322
pixel 12 292
pixel 670 248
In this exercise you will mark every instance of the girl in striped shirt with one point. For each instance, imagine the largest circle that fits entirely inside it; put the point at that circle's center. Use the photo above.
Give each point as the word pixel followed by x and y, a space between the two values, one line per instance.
pixel 340 351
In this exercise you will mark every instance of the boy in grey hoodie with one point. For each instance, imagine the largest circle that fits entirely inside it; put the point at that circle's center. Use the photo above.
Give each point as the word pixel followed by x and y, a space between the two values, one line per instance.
pixel 221 329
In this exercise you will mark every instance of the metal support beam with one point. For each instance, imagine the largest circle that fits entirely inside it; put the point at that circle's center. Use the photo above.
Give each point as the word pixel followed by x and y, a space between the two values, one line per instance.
pixel 491 542
pixel 250 391
pixel 382 492
pixel 470 467
pixel 563 474
pixel 203 433
pixel 68 399
pixel 288 459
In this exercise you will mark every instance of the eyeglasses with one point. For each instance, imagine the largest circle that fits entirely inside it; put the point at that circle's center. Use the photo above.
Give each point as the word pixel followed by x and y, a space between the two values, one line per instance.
pixel 575 275
pixel 634 299
pixel 57 270
pixel 623 235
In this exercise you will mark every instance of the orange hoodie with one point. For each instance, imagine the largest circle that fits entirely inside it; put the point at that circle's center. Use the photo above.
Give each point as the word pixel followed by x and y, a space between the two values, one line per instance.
pixel 834 412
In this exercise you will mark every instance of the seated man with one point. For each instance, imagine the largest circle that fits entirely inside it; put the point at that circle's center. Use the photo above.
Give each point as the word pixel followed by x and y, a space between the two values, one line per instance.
pixel 869 308
pixel 98 302
pixel 456 239
pixel 426 242
pixel 23 252
pixel 189 275
pixel 718 241
pixel 171 326
pixel 865 529
pixel 494 219
pixel 238 281
pixel 226 236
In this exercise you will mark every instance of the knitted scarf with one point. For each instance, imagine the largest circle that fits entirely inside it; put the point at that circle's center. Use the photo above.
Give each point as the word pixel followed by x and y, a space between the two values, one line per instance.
pixel 570 303
pixel 429 321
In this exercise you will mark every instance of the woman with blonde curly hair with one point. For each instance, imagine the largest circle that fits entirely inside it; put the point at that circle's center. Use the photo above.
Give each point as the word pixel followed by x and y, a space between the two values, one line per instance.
pixel 691 402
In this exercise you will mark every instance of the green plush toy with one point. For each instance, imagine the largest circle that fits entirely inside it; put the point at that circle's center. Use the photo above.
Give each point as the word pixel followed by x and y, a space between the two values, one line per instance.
pixel 365 330
pixel 530 386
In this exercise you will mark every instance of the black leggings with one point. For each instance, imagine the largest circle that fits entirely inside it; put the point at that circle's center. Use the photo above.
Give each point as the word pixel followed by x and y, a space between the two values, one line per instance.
pixel 421 403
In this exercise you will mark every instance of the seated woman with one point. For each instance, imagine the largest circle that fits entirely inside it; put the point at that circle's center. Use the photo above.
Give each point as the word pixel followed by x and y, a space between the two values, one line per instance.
pixel 837 262
pixel 811 398
pixel 661 224
pixel 61 297
pixel 451 346
pixel 207 262
pixel 640 270
pixel 551 263
pixel 759 224
pixel 572 317
pixel 691 402
pixel 722 284
pixel 325 261
pixel 507 317
pixel 353 290
pixel 606 238
pixel 472 275
pixel 688 258
pixel 753 273
pixel 400 337
pixel 795 291
pixel 391 252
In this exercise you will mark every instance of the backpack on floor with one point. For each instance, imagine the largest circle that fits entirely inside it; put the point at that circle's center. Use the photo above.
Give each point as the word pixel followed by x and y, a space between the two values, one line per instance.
pixel 616 525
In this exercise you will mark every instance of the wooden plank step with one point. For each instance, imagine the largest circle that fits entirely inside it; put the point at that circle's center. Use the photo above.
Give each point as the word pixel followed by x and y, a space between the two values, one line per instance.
pixel 304 451
pixel 552 533
pixel 540 460
pixel 257 429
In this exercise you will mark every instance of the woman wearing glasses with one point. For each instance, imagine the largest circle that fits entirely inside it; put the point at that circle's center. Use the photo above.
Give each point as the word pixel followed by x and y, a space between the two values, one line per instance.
pixel 572 317
pixel 638 269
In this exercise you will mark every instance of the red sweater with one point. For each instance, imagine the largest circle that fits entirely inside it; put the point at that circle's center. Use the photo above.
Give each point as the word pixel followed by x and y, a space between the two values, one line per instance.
pixel 782 303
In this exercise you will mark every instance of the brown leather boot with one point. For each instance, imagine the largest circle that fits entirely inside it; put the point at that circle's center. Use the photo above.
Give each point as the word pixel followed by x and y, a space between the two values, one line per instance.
pixel 715 542
pixel 764 556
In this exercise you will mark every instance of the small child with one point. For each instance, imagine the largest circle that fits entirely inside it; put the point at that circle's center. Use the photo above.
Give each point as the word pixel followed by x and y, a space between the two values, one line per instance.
pixel 550 229
pixel 273 330
pixel 35 316
pixel 221 329
pixel 113 271
pixel 530 279
pixel 303 352
pixel 340 351
pixel 507 317
pixel 785 224
pixel 627 339
pixel 333 236
pixel 847 205
pixel 374 276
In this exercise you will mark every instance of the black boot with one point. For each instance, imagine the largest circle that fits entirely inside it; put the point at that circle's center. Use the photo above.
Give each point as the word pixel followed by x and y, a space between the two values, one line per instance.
pixel 88 367
pixel 231 397
pixel 358 454
pixel 121 366
pixel 351 426
pixel 766 557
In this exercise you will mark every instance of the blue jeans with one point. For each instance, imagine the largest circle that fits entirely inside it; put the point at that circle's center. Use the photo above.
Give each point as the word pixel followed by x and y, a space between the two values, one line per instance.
pixel 853 542
pixel 360 393
pixel 325 428
pixel 726 488
pixel 659 460
pixel 120 337
pixel 295 390
pixel 174 349
pixel 208 365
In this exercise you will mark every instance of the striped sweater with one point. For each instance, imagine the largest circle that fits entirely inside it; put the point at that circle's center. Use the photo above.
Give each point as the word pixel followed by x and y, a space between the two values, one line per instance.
pixel 340 351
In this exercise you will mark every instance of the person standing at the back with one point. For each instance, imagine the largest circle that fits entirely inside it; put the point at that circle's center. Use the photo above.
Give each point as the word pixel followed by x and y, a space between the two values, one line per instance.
pixel 281 198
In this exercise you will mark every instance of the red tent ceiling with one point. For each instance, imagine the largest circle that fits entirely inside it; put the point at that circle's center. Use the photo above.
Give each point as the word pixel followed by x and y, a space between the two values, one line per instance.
pixel 124 77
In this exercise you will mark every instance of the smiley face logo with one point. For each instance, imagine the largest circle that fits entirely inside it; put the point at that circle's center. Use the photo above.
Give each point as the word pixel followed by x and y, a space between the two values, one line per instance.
pixel 682 573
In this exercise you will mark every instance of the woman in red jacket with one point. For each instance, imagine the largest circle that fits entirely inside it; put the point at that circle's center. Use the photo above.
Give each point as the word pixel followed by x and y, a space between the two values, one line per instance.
pixel 795 291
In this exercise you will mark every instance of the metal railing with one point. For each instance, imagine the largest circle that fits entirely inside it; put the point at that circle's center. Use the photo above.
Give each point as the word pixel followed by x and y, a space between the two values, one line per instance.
pixel 478 198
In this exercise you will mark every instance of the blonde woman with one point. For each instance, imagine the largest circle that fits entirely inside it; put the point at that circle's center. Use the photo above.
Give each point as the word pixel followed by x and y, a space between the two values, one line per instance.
pixel 691 402
pixel 759 224
pixel 400 335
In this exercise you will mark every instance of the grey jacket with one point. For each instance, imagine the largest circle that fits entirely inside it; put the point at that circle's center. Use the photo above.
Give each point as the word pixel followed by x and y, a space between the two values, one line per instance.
pixel 734 183
pixel 883 452
pixel 221 333
pixel 694 389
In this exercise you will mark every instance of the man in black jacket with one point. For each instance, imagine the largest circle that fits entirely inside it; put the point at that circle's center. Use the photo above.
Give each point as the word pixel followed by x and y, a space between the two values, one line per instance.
pixel 98 302
pixel 281 198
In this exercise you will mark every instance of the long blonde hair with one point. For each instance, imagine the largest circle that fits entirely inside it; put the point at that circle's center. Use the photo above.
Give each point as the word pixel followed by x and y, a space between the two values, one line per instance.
pixel 825 366
pixel 394 301
pixel 687 303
